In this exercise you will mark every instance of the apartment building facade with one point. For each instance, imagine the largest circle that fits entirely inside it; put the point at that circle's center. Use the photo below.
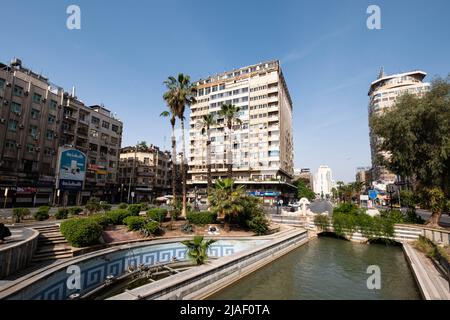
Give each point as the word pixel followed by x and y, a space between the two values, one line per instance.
pixel 261 146
pixel 147 170
pixel 323 181
pixel 36 118
pixel 383 94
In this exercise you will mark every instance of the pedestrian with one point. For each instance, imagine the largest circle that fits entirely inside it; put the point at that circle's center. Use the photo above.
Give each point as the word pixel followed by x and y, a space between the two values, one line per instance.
pixel 4 232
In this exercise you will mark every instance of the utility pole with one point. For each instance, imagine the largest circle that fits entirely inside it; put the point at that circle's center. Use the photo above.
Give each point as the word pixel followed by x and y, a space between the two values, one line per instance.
pixel 132 173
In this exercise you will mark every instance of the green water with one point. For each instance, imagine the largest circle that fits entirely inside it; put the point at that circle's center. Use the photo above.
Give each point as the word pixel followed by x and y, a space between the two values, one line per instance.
pixel 328 268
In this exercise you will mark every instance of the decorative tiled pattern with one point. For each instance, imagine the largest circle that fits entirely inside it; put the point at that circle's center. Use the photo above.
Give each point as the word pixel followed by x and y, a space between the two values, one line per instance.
pixel 94 271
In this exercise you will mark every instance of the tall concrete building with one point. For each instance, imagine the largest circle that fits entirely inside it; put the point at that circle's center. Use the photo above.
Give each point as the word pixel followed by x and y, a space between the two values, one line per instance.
pixel 262 146
pixel 383 94
pixel 147 170
pixel 36 118
pixel 323 181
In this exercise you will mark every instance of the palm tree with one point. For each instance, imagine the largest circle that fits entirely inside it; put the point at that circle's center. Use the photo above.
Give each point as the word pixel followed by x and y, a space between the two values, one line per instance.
pixel 180 93
pixel 173 120
pixel 231 114
pixel 340 184
pixel 226 199
pixel 198 248
pixel 207 121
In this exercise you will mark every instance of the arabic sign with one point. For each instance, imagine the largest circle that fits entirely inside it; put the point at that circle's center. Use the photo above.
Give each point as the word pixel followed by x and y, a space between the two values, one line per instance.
pixel 71 169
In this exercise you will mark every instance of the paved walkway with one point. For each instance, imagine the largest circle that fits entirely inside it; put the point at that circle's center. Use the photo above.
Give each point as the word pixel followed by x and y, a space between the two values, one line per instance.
pixel 431 283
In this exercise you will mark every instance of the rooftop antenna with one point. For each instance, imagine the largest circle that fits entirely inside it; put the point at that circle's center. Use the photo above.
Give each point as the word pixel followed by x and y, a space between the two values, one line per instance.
pixel 381 74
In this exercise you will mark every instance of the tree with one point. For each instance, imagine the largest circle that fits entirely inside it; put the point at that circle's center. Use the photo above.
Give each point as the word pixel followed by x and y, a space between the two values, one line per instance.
pixel 179 95
pixel 415 136
pixel 303 191
pixel 340 184
pixel 198 248
pixel 231 115
pixel 142 145
pixel 207 121
pixel 171 115
pixel 226 199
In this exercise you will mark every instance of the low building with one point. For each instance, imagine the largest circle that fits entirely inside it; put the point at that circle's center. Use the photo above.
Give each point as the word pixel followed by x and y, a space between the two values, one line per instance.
pixel 147 170
pixel 323 181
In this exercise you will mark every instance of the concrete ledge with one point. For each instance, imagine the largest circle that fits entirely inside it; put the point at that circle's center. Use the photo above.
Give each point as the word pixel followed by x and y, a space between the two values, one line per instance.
pixel 203 281
pixel 431 283
pixel 16 256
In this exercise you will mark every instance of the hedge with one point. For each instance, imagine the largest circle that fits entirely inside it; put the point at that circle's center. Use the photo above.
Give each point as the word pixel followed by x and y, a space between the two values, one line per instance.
pixel 122 205
pixel 42 213
pixel 135 209
pixel 201 218
pixel 157 214
pixel 19 213
pixel 152 227
pixel 62 213
pixel 81 232
pixel 101 219
pixel 74 211
pixel 134 223
pixel 117 216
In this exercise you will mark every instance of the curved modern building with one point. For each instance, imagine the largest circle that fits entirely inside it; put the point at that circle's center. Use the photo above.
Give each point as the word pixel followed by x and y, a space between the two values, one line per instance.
pixel 383 94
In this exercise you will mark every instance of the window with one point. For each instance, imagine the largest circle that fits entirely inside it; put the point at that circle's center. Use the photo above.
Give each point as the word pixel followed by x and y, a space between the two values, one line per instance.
pixel 35 113
pixel 214 88
pixel 146 160
pixel 95 120
pixel 16 107
pixel 18 91
pixel 49 134
pixel 200 92
pixel 10 144
pixel 207 90
pixel 222 86
pixel 12 125
pixel 51 119
pixel 105 124
pixel 115 128
pixel 2 83
pixel 93 133
pixel 30 147
pixel 53 104
pixel 33 130
pixel 48 151
pixel 37 97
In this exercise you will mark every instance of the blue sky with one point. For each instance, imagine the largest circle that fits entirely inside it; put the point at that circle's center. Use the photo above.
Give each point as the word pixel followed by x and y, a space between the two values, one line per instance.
pixel 125 50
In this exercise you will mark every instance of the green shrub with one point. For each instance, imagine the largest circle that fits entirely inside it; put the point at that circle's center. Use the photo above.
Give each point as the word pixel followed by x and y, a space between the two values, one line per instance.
pixel 117 216
pixel 42 213
pixel 151 228
pixel 157 214
pixel 123 205
pixel 144 206
pixel 259 224
pixel 134 223
pixel 395 216
pixel 413 217
pixel 101 219
pixel 135 209
pixel 62 213
pixel 93 205
pixel 74 211
pixel 201 218
pixel 321 221
pixel 105 206
pixel 81 232
pixel 20 213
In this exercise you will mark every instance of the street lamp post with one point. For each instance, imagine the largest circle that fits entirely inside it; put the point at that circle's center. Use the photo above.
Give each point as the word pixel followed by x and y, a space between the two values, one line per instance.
pixel 6 197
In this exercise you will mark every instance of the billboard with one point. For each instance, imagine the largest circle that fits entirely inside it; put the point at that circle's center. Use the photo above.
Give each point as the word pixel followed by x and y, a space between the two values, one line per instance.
pixel 71 169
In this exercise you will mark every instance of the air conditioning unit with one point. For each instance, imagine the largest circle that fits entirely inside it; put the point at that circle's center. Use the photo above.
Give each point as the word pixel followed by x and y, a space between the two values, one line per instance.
pixel 8 84
pixel 18 146
pixel 5 102
pixel 38 149
pixel 21 126
pixel 2 120
pixel 59 106
pixel 26 93
pixel 44 100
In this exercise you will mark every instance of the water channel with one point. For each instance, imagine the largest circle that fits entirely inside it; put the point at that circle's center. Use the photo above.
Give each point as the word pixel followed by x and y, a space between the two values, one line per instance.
pixel 329 268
